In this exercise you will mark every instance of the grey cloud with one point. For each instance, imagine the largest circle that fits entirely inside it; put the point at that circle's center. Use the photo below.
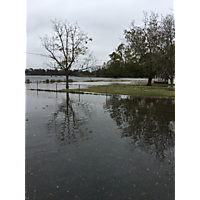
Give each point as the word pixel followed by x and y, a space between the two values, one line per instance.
pixel 103 20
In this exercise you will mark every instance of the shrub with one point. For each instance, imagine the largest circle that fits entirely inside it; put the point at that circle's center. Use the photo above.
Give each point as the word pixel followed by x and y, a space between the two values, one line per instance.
pixel 27 81
pixel 47 80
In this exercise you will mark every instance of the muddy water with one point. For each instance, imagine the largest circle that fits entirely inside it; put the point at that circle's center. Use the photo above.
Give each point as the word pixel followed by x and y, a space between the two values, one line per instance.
pixel 98 147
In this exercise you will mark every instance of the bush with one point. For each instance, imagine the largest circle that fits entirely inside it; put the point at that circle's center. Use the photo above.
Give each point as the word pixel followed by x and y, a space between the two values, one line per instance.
pixel 70 80
pixel 47 80
pixel 27 81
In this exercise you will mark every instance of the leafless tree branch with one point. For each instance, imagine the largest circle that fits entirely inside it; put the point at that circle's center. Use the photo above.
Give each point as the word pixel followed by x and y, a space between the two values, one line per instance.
pixel 66 45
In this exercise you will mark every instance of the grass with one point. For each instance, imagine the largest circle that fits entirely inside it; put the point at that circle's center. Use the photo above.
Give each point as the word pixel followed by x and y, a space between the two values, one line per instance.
pixel 154 91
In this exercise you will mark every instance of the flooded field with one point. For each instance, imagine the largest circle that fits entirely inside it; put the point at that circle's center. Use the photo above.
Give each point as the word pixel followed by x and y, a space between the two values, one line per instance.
pixel 99 147
pixel 77 79
pixel 83 82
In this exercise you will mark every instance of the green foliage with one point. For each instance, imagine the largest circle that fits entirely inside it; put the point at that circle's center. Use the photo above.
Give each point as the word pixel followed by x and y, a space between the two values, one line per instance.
pixel 27 81
pixel 120 69
pixel 148 50
pixel 121 64
pixel 47 80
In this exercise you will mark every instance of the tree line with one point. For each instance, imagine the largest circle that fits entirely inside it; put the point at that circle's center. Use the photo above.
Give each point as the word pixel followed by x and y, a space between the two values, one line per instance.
pixel 56 72
pixel 146 50
pixel 44 72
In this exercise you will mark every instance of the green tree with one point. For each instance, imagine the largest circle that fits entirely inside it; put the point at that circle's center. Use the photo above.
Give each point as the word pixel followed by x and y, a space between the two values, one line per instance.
pixel 143 41
pixel 166 46
pixel 118 60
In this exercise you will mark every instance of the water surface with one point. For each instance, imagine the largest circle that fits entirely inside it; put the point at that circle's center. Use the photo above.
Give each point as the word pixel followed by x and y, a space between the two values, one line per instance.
pixel 98 147
pixel 76 78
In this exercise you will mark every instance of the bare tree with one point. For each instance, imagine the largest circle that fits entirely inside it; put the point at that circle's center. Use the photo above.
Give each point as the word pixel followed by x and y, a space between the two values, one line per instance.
pixel 89 62
pixel 66 45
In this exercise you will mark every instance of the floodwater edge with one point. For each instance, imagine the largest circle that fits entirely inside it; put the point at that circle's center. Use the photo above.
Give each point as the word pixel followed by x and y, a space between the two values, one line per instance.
pixel 140 94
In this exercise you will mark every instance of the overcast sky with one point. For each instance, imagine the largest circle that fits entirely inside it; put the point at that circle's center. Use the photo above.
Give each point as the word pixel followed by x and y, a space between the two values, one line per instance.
pixel 103 20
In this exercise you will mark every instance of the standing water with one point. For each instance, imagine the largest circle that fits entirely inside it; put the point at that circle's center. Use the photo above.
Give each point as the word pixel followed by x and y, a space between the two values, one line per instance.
pixel 99 147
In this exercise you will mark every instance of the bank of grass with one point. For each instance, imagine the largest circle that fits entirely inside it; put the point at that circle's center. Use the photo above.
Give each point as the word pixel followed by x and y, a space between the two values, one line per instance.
pixel 154 91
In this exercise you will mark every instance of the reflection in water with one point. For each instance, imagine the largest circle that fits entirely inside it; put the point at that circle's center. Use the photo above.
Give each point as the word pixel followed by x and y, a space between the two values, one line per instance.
pixel 69 120
pixel 148 123
pixel 133 160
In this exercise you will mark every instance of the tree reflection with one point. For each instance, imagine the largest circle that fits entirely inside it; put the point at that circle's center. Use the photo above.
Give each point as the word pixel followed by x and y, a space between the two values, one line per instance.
pixel 69 122
pixel 148 123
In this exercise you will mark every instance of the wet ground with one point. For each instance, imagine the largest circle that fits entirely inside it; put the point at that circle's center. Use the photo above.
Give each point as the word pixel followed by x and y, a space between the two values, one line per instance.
pixel 99 147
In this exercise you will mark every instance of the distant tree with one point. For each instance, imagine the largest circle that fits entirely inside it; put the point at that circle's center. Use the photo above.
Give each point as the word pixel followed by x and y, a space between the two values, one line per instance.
pixel 142 41
pixel 122 63
pixel 96 68
pixel 117 62
pixel 153 45
pixel 121 55
pixel 66 45
pixel 166 46
pixel 88 63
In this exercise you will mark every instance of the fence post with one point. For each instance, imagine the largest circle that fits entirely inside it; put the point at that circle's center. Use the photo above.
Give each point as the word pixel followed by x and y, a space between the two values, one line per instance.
pixel 56 87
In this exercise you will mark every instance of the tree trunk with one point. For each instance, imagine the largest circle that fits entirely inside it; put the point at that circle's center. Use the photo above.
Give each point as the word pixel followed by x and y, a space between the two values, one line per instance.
pixel 171 83
pixel 67 81
pixel 149 81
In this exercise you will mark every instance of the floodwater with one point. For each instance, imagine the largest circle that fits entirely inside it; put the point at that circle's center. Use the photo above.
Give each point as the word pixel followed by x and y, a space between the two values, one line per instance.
pixel 76 78
pixel 79 82
pixel 88 147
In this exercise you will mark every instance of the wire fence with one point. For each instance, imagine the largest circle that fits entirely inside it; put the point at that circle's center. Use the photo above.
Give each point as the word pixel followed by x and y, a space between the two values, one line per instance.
pixel 56 86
